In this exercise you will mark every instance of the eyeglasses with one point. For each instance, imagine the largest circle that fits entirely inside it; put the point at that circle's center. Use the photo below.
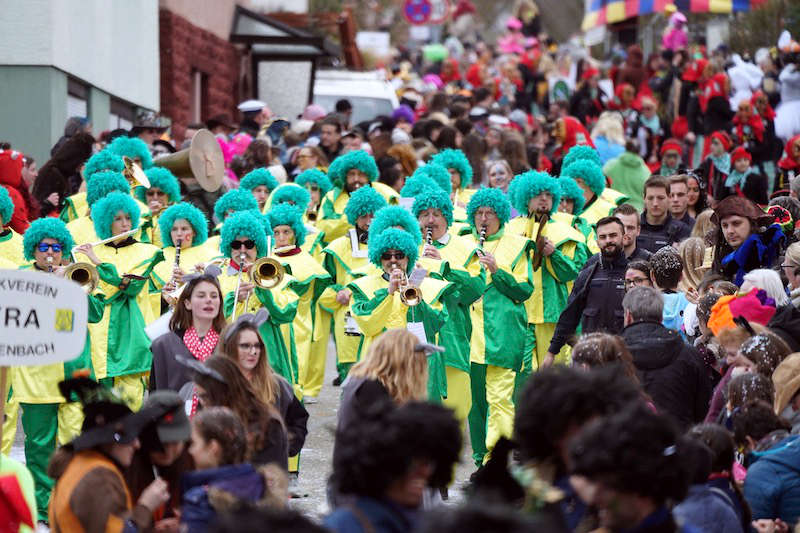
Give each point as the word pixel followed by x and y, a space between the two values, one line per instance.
pixel 635 282
pixel 312 187
pixel 44 246
pixel 249 347
pixel 388 256
pixel 249 244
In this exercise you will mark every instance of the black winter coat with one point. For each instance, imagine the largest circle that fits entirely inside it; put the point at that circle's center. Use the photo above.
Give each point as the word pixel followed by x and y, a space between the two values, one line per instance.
pixel 670 370
pixel 652 238
pixel 786 323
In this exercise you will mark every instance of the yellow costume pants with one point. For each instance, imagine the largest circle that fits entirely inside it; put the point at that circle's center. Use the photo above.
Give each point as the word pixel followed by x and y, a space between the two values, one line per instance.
pixel 131 388
pixel 544 334
pixel 311 372
pixel 492 413
pixel 459 397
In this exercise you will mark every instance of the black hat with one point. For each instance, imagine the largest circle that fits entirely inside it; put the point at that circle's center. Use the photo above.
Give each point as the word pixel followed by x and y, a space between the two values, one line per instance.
pixel 223 119
pixel 107 420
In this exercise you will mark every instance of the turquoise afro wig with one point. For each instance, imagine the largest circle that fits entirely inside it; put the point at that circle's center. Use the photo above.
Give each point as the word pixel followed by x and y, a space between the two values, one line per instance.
pixel 392 239
pixel 493 198
pixel 133 147
pixel 363 201
pixel 264 219
pixel 590 173
pixel 456 160
pixel 104 211
pixel 6 207
pixel 46 228
pixel 359 159
pixel 183 211
pixel 393 216
pixel 433 198
pixel 416 184
pixel 439 174
pixel 102 161
pixel 236 200
pixel 571 191
pixel 163 179
pixel 259 176
pixel 292 194
pixel 530 184
pixel 581 152
pixel 247 223
pixel 288 215
pixel 103 183
pixel 315 176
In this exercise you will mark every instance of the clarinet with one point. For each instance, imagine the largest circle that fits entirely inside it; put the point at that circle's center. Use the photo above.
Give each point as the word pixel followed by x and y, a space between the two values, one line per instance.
pixel 50 264
pixel 177 257
pixel 482 238
pixel 428 235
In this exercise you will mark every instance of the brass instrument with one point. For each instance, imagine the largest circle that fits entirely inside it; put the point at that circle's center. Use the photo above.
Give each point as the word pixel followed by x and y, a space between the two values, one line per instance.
pixel 84 274
pixel 267 272
pixel 536 262
pixel 242 258
pixel 203 161
pixel 409 294
pixel 428 235
pixel 311 213
pixel 134 173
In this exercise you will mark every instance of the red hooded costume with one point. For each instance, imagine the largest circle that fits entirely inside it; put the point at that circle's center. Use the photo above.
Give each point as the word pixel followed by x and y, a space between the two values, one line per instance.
pixel 573 134
pixel 11 163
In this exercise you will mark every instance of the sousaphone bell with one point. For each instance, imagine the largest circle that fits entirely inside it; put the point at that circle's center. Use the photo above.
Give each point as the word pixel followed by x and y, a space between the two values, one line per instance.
pixel 202 161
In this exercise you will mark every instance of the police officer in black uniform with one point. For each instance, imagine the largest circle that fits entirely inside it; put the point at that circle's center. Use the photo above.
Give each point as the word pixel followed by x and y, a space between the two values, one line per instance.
pixel 596 298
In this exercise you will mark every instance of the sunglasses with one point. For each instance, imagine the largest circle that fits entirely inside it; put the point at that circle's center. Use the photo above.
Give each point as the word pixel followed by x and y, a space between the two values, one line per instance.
pixel 249 244
pixel 388 256
pixel 44 246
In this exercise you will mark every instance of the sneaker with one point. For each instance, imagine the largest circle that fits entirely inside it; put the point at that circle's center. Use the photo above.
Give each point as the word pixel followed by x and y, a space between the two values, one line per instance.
pixel 308 400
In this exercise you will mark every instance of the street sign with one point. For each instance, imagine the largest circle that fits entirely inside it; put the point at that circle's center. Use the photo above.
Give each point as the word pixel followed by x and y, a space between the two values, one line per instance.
pixel 418 11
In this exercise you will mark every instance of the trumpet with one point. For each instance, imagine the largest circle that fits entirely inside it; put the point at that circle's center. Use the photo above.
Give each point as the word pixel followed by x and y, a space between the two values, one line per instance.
pixel 428 235
pixel 134 173
pixel 311 213
pixel 409 294
pixel 267 272
pixel 84 274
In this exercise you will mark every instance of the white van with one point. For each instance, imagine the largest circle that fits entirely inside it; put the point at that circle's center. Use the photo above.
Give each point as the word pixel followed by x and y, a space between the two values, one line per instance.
pixel 369 92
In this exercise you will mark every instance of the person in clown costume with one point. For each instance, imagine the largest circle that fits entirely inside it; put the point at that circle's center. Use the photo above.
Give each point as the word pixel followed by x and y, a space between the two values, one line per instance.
pixel 449 257
pixel 342 258
pixel 185 224
pixel 460 174
pixel 309 280
pixel 231 202
pixel 318 185
pixel 75 206
pixel 120 347
pixel 132 147
pixel 98 186
pixel 377 304
pixel 295 195
pixel 164 191
pixel 562 255
pixel 590 179
pixel 500 333
pixel 571 206
pixel 244 239
pixel 260 182
pixel 10 240
pixel 589 153
pixel 47 418
pixel 348 172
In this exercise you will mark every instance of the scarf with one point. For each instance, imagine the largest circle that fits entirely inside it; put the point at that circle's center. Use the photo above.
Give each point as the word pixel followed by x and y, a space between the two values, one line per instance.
pixel 738 179
pixel 200 350
pixel 653 124
pixel 721 163
pixel 667 171
pixel 754 126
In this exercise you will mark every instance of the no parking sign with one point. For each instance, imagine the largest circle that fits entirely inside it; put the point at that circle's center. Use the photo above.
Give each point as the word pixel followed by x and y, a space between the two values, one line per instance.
pixel 418 11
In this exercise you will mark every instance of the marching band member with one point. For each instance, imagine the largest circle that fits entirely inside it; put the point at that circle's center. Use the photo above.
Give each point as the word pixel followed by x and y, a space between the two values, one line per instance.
pixel 318 185
pixel 500 332
pixel 120 346
pixel 570 208
pixel 309 280
pixel 244 239
pixel 260 182
pixel 379 298
pixel 297 196
pixel 348 172
pixel 341 258
pixel 164 191
pixel 75 206
pixel 231 202
pixel 98 186
pixel 561 252
pixel 460 174
pixel 46 416
pixel 186 226
pixel 10 241
pixel 132 147
pixel 450 257
pixel 590 179
pixel 587 153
